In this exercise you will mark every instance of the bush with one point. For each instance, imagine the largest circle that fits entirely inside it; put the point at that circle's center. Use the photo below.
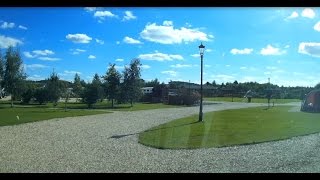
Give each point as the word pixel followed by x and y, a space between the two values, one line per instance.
pixel 41 95
pixel 184 97
pixel 27 96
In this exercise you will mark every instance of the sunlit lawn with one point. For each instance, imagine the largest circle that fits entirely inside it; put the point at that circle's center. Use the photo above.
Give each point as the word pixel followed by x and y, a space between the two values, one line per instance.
pixel 9 115
pixel 35 112
pixel 253 100
pixel 232 127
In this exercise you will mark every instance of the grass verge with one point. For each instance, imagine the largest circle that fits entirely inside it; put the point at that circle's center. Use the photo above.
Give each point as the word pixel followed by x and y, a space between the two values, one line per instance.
pixel 232 127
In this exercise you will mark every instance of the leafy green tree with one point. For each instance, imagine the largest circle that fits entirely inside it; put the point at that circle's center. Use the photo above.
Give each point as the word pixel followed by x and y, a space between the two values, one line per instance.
pixel 152 83
pixel 317 86
pixel 90 93
pixel 97 82
pixel 28 93
pixel 54 88
pixel 77 86
pixel 13 74
pixel 112 83
pixel 131 82
pixel 41 95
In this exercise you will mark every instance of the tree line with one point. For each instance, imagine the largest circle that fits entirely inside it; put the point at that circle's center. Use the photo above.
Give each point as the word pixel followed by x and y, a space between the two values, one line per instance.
pixel 118 87
pixel 121 87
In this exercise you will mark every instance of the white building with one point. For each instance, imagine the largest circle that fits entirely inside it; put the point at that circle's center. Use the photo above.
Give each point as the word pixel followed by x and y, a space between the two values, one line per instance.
pixel 147 90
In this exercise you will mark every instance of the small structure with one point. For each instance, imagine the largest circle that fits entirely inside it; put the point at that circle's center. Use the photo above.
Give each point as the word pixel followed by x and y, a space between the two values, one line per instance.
pixel 311 102
pixel 147 90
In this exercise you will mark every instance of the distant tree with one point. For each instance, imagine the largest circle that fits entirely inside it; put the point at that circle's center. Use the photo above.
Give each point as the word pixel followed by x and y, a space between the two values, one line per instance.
pixel 235 82
pixel 54 88
pixel 13 74
pixel 207 83
pixel 41 95
pixel 76 86
pixel 90 93
pixel 317 86
pixel 214 83
pixel 97 82
pixel 28 93
pixel 152 83
pixel 112 83
pixel 132 83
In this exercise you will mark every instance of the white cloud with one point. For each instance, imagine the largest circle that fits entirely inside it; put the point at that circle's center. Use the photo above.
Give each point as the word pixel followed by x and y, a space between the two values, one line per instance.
pixel 102 14
pixel 195 55
pixel 49 59
pixel 22 27
pixel 309 48
pixel 167 23
pixel 119 60
pixel 181 66
pixel 207 65
pixel 42 52
pixel 90 9
pixel 77 51
pixel 130 40
pixel 28 54
pixel 317 26
pixel 35 66
pixel 208 50
pixel 72 72
pixel 119 67
pixel 160 57
pixel 79 38
pixel 293 15
pixel 287 46
pixel 308 13
pixel 99 41
pixel 5 42
pixel 241 51
pixel 243 68
pixel 6 25
pixel 91 57
pixel 129 16
pixel 145 66
pixel 269 50
pixel 171 73
pixel 166 34
pixel 118 42
pixel 267 73
pixel 228 65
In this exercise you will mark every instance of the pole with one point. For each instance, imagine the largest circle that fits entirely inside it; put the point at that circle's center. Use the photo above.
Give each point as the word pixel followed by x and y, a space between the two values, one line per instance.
pixel 201 114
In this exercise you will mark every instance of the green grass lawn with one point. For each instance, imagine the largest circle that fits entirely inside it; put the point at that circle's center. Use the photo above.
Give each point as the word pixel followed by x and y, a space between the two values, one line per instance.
pixel 9 115
pixel 253 100
pixel 232 127
pixel 106 105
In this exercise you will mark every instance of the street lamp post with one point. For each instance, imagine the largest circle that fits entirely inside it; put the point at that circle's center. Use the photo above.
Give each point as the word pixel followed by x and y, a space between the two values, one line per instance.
pixel 201 49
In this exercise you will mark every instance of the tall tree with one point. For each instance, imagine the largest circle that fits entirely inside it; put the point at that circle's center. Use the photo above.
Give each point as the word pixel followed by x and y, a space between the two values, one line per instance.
pixel 54 88
pixel 98 84
pixel 13 73
pixel 76 86
pixel 112 83
pixel 317 86
pixel 90 93
pixel 132 83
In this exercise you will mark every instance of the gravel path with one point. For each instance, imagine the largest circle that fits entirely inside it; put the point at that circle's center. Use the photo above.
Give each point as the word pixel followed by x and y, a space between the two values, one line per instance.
pixel 84 144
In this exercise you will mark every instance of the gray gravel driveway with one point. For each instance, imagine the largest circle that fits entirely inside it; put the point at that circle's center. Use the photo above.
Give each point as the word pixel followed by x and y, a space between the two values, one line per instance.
pixel 84 144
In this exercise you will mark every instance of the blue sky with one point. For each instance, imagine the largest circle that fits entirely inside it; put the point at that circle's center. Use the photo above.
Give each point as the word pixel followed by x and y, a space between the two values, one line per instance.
pixel 243 44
